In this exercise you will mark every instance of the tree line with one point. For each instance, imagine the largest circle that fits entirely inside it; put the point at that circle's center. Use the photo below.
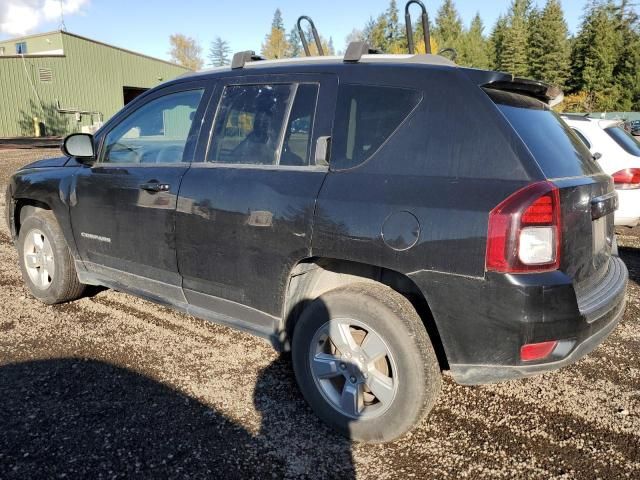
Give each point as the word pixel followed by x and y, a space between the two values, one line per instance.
pixel 598 67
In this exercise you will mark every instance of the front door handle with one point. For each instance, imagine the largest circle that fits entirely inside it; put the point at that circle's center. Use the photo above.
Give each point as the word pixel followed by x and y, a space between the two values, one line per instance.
pixel 155 187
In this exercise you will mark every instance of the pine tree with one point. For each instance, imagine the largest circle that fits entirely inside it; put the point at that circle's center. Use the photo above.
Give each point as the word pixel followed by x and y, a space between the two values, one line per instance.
pixel 549 45
pixel 448 30
pixel 276 44
pixel 219 53
pixel 595 56
pixel 496 43
pixel 514 56
pixel 393 30
pixel 473 51
pixel 627 69
pixel 295 45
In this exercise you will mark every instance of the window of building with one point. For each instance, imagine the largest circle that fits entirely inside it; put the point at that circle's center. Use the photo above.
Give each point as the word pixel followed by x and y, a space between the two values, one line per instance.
pixel 21 48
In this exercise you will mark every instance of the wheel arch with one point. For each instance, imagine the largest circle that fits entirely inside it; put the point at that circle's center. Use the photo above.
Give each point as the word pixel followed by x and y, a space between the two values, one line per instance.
pixel 23 208
pixel 315 276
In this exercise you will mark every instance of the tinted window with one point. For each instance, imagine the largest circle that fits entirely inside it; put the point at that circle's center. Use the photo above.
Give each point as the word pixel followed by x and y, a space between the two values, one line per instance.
pixel 556 148
pixel 582 137
pixel 155 133
pixel 366 116
pixel 296 149
pixel 625 140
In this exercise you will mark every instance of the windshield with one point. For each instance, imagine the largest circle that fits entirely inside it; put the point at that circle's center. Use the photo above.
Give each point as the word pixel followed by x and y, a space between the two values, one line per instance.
pixel 556 148
pixel 625 140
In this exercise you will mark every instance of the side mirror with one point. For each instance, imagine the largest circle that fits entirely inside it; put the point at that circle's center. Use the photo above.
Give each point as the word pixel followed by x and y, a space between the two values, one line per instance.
pixel 597 156
pixel 80 146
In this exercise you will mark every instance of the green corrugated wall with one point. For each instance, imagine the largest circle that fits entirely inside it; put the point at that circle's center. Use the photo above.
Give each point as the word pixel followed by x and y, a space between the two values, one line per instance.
pixel 90 76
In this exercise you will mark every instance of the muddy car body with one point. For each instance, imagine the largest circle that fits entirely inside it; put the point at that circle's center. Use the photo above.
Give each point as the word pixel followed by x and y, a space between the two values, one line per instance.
pixel 419 224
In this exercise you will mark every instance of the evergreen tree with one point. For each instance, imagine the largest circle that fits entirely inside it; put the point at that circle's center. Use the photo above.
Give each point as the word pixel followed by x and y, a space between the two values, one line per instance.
pixel 627 69
pixel 277 22
pixel 276 44
pixel 295 45
pixel 219 53
pixel 393 30
pixel 496 43
pixel 549 45
pixel 473 51
pixel 330 48
pixel 448 30
pixel 514 55
pixel 595 57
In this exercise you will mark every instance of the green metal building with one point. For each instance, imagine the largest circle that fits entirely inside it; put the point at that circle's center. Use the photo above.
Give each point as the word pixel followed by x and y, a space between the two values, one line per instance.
pixel 56 83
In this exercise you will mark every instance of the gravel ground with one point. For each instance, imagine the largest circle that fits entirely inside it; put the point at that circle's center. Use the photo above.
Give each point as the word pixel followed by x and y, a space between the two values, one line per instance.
pixel 112 386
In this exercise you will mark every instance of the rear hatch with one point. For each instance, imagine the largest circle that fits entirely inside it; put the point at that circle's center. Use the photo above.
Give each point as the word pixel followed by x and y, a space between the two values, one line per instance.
pixel 587 196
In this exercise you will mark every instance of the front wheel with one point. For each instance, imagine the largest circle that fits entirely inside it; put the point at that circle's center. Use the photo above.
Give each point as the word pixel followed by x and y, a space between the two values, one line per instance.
pixel 364 362
pixel 47 266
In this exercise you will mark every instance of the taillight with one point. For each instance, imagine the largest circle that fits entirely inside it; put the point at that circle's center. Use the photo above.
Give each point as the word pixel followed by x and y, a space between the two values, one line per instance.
pixel 525 231
pixel 627 179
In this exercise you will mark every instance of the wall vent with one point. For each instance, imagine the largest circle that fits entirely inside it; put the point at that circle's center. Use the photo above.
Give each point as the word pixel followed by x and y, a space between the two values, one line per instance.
pixel 45 74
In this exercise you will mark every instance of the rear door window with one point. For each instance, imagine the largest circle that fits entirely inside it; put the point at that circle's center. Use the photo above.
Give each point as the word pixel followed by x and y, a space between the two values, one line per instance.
pixel 269 124
pixel 554 145
pixel 625 140
pixel 366 116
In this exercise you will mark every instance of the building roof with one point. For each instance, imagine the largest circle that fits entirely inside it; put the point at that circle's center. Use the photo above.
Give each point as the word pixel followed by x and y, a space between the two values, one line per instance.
pixel 86 39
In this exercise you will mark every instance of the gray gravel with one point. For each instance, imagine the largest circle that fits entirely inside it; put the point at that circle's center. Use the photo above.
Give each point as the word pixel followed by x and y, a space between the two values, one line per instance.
pixel 113 386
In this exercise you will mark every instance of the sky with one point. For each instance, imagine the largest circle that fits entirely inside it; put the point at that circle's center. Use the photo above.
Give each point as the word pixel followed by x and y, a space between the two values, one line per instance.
pixel 145 26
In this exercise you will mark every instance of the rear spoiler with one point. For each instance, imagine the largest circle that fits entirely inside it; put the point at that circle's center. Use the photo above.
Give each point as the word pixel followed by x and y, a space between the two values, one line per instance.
pixel 549 94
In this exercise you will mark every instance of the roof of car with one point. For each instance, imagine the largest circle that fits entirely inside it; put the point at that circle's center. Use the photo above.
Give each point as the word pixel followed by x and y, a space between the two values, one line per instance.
pixel 420 59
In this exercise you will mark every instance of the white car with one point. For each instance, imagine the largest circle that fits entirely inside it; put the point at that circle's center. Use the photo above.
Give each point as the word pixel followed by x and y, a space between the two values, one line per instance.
pixel 618 153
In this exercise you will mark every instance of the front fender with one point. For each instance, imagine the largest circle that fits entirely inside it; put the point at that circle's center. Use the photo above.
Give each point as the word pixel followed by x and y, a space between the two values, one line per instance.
pixel 49 187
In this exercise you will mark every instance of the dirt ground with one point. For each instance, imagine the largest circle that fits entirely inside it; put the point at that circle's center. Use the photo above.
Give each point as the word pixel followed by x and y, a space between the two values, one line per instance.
pixel 112 386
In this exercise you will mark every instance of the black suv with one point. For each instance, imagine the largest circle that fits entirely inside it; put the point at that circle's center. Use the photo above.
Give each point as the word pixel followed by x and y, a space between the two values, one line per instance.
pixel 384 217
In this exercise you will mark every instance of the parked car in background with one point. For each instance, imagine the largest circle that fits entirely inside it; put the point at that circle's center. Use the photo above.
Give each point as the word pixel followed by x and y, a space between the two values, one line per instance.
pixel 634 127
pixel 618 153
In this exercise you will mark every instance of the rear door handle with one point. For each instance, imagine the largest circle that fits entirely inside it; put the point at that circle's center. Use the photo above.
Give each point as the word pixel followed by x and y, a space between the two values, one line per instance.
pixel 155 187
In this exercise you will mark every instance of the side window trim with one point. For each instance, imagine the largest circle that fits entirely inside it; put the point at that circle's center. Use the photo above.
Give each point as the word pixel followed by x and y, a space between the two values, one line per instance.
pixel 191 145
pixel 295 81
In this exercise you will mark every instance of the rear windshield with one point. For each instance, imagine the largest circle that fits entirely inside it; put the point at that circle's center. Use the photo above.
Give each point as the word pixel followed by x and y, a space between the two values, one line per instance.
pixel 625 140
pixel 556 148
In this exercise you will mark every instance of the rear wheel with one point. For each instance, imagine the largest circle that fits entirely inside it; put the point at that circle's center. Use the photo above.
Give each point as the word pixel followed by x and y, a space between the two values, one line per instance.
pixel 47 266
pixel 364 362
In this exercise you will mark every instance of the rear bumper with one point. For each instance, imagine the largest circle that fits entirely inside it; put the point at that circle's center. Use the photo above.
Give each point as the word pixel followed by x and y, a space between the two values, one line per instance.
pixel 483 333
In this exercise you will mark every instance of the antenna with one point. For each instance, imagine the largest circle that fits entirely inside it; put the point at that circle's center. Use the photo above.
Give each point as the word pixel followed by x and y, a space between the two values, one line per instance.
pixel 63 27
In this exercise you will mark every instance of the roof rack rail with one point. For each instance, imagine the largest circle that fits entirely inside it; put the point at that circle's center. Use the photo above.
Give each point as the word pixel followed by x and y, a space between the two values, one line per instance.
pixel 425 26
pixel 303 37
pixel 356 50
pixel 240 58
pixel 452 51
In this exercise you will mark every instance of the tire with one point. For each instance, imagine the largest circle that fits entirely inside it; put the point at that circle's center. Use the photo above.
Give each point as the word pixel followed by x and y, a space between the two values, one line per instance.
pixel 41 242
pixel 366 396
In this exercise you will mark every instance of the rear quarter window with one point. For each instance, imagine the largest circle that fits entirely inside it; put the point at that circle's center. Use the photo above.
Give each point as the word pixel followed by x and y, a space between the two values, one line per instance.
pixel 366 116
pixel 554 145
